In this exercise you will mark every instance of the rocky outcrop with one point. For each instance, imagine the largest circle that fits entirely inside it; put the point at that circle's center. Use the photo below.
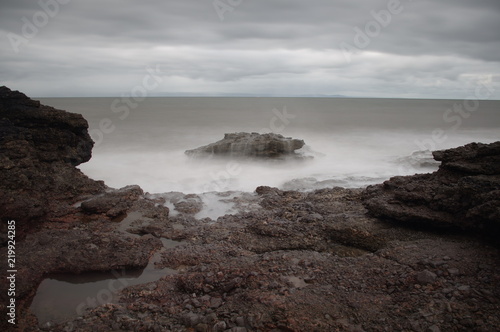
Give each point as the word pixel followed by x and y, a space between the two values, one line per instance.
pixel 39 149
pixel 463 193
pixel 304 261
pixel 250 145
pixel 113 203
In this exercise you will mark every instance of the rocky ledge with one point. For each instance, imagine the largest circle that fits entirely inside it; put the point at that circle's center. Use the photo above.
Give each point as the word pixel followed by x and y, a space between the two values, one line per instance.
pixel 283 261
pixel 250 145
pixel 39 149
pixel 464 193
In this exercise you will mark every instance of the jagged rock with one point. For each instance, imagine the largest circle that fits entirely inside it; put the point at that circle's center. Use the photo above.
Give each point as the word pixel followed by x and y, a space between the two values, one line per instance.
pixel 251 145
pixel 113 203
pixel 190 204
pixel 474 158
pixel 426 277
pixel 39 149
pixel 29 130
pixel 419 159
pixel 464 192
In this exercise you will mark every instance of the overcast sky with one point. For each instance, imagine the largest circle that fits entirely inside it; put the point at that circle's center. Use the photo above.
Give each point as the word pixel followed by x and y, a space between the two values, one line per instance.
pixel 365 48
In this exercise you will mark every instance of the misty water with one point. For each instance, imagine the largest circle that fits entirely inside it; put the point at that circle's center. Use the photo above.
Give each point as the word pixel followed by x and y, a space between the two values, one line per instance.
pixel 355 142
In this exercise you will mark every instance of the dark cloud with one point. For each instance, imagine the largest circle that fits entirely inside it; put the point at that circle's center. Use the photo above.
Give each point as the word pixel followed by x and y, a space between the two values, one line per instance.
pixel 426 49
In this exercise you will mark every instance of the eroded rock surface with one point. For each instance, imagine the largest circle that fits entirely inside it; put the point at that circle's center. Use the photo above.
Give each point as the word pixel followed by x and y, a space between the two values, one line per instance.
pixel 308 262
pixel 39 149
pixel 250 145
pixel 463 193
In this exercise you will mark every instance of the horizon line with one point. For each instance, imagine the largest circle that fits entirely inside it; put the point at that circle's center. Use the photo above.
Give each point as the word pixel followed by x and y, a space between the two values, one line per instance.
pixel 267 96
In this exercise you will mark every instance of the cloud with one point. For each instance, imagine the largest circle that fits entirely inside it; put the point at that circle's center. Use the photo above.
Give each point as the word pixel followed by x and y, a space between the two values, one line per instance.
pixel 427 49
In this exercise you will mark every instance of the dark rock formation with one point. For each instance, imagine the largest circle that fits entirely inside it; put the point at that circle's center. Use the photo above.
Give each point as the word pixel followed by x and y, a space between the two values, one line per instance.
pixel 301 261
pixel 39 147
pixel 464 192
pixel 114 203
pixel 251 145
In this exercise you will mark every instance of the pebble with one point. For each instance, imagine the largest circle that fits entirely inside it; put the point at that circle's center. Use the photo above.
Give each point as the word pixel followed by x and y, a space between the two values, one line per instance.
pixel 191 319
pixel 202 328
pixel 464 288
pixel 426 277
pixel 238 329
pixel 215 302
pixel 316 216
pixel 240 321
pixel 220 326
pixel 433 328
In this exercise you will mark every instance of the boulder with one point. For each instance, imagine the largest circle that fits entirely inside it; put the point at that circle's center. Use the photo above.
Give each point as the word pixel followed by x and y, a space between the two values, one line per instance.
pixel 29 130
pixel 250 145
pixel 464 193
pixel 39 149
pixel 113 203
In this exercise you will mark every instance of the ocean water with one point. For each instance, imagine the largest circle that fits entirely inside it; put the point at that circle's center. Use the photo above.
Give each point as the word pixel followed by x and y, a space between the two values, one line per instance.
pixel 353 142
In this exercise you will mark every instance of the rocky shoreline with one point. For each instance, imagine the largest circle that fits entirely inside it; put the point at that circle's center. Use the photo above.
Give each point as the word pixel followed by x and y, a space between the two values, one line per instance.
pixel 417 253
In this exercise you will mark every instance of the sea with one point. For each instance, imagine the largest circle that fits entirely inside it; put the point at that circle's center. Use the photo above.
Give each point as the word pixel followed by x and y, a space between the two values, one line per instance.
pixel 350 142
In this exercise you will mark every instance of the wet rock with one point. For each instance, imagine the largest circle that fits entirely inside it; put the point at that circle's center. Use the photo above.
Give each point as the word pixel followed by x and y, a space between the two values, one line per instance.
pixel 464 193
pixel 113 203
pixel 77 251
pixel 250 145
pixel 189 204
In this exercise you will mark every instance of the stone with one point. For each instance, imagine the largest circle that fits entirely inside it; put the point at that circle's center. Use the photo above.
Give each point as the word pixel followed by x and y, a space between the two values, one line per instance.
pixel 220 326
pixel 113 203
pixel 463 194
pixel 238 329
pixel 240 321
pixel 215 302
pixel 33 131
pixel 191 319
pixel 202 327
pixel 433 328
pixel 426 277
pixel 189 204
pixel 250 145
pixel 39 149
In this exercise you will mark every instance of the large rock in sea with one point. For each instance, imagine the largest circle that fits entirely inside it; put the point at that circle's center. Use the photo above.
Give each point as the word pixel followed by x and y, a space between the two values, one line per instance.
pixel 250 145
pixel 464 193
pixel 39 149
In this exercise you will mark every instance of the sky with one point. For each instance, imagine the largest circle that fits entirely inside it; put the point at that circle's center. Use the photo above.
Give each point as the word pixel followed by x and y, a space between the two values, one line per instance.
pixel 446 49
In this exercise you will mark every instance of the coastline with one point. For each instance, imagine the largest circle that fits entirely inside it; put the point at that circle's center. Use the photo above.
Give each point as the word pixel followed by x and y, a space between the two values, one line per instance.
pixel 286 261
